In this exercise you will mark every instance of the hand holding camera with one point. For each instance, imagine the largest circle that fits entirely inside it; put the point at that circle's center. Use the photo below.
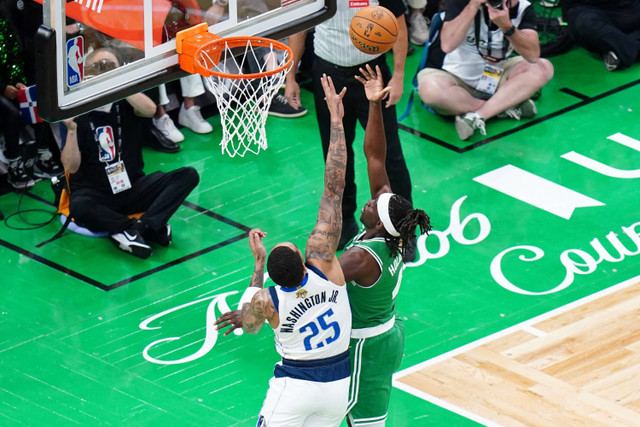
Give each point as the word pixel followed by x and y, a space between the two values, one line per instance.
pixel 499 12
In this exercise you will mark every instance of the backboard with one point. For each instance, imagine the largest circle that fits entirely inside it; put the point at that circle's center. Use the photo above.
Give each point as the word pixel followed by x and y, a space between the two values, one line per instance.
pixel 143 34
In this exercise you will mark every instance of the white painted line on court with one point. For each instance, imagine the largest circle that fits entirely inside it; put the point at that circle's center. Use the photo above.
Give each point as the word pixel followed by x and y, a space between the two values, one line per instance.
pixel 534 331
pixel 446 405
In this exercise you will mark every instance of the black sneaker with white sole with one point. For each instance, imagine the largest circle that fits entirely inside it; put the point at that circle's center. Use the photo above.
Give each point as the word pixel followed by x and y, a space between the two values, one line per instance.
pixel 611 61
pixel 161 237
pixel 46 167
pixel 280 108
pixel 131 241
pixel 18 177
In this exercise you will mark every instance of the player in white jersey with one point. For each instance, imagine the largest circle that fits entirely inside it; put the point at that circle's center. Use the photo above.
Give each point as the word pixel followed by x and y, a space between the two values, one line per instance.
pixel 309 308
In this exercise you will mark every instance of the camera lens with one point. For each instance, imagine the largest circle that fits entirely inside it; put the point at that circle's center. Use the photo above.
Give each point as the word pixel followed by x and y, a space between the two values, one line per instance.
pixel 496 4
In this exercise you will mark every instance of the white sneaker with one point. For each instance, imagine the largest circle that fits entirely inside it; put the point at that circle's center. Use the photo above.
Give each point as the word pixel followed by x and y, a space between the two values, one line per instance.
pixel 418 29
pixel 168 128
pixel 467 125
pixel 524 110
pixel 192 119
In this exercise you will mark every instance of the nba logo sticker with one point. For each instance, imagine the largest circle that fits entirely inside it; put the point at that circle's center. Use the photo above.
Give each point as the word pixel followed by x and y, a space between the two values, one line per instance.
pixel 107 148
pixel 75 61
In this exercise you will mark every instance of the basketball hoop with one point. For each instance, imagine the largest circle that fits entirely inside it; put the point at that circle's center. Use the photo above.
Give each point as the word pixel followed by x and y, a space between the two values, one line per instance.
pixel 243 99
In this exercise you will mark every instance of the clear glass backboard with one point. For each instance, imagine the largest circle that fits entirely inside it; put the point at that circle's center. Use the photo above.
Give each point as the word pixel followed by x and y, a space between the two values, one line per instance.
pixel 143 33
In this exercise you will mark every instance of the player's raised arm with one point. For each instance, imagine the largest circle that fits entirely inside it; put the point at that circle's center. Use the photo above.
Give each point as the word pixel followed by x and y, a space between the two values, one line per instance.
pixel 256 304
pixel 375 140
pixel 323 241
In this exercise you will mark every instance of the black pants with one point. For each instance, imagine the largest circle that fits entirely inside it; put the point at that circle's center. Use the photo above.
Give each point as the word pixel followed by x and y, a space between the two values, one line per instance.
pixel 604 29
pixel 13 127
pixel 158 195
pixel 356 109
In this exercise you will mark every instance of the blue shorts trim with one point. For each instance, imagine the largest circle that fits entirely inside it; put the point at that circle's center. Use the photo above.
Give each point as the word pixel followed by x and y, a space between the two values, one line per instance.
pixel 319 370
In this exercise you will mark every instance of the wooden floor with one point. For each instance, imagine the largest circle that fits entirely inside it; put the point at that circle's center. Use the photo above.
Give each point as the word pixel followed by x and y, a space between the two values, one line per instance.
pixel 578 367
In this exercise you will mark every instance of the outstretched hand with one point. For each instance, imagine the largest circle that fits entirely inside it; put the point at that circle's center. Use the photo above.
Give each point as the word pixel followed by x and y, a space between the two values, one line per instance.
pixel 373 85
pixel 255 243
pixel 333 99
pixel 230 318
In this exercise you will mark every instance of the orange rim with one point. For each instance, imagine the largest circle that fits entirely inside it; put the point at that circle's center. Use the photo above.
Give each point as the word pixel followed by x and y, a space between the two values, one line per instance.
pixel 213 49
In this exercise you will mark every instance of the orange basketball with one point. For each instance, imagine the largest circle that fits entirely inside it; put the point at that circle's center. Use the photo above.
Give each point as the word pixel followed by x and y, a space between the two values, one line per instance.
pixel 373 29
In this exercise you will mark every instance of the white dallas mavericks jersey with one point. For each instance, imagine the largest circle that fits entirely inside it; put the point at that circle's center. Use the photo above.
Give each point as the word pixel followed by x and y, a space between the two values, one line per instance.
pixel 315 318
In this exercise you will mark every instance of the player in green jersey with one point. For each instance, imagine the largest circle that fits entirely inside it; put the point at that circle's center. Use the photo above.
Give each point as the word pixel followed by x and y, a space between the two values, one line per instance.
pixel 372 264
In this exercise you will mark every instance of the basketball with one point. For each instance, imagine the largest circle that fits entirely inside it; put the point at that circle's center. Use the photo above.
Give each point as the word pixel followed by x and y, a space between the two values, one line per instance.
pixel 373 30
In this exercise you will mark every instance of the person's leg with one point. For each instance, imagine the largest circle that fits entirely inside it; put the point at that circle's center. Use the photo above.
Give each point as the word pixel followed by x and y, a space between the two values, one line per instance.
pixel 190 115
pixel 330 410
pixel 161 119
pixel 603 30
pixel 159 195
pixel 47 163
pixel 98 211
pixel 287 403
pixel 159 132
pixel 13 126
pixel 445 94
pixel 12 123
pixel 519 84
pixel 266 60
pixel 373 361
pixel 417 24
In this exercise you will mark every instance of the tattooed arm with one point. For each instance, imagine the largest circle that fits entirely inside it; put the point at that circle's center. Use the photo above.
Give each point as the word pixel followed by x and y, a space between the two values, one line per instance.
pixel 323 241
pixel 252 315
pixel 255 313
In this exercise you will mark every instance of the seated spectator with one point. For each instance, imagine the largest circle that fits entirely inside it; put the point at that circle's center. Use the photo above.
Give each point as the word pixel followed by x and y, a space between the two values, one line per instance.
pixel 103 154
pixel 470 73
pixel 609 28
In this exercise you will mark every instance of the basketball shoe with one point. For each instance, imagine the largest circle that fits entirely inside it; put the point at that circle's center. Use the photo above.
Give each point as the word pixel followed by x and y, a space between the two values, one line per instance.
pixel 161 237
pixel 45 166
pixel 168 128
pixel 467 125
pixel 524 110
pixel 17 176
pixel 192 118
pixel 611 61
pixel 280 107
pixel 418 29
pixel 131 241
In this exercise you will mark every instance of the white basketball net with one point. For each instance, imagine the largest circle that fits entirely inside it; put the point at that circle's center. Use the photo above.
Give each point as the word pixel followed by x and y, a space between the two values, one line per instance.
pixel 244 102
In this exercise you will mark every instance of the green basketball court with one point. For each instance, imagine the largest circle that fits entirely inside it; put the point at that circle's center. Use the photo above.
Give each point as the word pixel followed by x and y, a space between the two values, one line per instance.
pixel 89 335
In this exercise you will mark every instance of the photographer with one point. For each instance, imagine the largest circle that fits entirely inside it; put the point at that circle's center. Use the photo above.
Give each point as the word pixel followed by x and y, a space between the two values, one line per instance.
pixel 471 74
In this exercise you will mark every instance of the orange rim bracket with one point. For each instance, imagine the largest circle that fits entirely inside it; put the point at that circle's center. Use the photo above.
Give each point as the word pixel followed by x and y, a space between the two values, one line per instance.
pixel 189 41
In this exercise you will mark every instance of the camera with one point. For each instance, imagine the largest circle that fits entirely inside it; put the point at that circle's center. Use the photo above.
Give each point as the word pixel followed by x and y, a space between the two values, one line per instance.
pixel 496 4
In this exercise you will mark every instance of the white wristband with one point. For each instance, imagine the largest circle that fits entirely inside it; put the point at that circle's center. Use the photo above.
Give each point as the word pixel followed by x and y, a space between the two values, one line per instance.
pixel 248 294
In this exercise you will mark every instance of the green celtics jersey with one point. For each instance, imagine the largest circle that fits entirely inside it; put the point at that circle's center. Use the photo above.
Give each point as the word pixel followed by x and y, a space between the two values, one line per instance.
pixel 376 304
